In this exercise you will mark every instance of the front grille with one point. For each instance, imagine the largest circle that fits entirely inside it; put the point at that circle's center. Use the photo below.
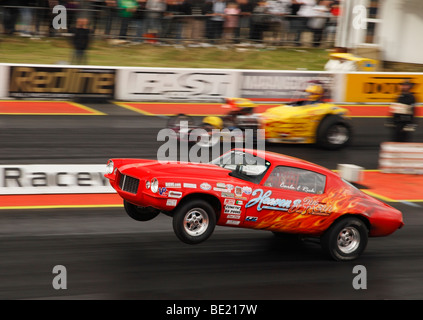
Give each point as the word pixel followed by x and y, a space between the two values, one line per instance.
pixel 128 184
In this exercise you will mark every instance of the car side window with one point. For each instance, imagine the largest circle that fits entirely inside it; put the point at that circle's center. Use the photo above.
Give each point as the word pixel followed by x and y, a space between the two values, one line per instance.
pixel 296 179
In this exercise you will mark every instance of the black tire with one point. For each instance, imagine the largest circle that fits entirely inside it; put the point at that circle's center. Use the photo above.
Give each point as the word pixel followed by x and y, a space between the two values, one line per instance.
pixel 194 221
pixel 140 213
pixel 334 132
pixel 346 239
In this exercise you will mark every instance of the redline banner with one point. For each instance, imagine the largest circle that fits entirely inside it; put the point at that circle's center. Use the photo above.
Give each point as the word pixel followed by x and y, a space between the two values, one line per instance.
pixel 60 82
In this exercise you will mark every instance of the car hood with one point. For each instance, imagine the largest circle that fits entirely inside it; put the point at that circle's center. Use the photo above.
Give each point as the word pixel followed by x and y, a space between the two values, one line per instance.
pixel 174 169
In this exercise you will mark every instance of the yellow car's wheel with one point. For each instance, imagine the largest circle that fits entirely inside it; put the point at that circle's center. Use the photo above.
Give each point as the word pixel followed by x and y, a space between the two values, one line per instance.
pixel 334 132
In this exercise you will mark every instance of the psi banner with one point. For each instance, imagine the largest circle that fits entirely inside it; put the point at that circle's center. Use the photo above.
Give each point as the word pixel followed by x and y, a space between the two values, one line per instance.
pixel 160 84
pixel 380 87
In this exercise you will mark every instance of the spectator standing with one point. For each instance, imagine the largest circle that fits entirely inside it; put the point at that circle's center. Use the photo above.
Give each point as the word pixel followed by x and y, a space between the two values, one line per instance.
pixel 127 9
pixel 259 20
pixel 403 113
pixel 278 9
pixel 81 41
pixel 246 9
pixel 172 25
pixel 154 14
pixel 139 18
pixel 216 11
pixel 10 16
pixel 26 14
pixel 110 13
pixel 44 16
pixel 306 12
pixel 317 23
pixel 231 23
pixel 195 24
pixel 301 10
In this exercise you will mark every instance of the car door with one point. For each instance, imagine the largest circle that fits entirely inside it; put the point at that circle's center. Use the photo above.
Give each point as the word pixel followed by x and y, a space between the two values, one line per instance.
pixel 285 200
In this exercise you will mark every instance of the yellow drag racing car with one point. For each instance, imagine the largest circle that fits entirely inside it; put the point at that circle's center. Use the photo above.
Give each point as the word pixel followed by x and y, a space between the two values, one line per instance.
pixel 311 121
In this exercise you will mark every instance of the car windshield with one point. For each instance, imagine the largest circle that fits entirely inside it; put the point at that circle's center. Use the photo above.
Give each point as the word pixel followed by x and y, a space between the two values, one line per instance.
pixel 243 165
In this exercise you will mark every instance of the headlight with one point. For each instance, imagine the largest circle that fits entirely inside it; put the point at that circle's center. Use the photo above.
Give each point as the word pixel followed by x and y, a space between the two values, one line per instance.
pixel 109 167
pixel 147 184
pixel 154 185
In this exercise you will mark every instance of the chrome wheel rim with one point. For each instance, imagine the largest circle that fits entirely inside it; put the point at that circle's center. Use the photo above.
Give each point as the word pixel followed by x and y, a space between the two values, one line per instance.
pixel 348 240
pixel 196 222
pixel 338 135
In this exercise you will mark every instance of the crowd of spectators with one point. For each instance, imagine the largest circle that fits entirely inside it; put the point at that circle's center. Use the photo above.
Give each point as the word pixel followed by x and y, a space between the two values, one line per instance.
pixel 207 21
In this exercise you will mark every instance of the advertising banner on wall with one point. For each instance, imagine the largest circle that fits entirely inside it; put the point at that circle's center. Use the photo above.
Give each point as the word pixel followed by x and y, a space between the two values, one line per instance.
pixel 281 85
pixel 67 82
pixel 53 179
pixel 4 83
pixel 160 84
pixel 380 87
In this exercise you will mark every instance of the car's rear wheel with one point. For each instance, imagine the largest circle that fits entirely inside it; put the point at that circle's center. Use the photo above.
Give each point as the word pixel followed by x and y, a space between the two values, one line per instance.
pixel 333 133
pixel 194 221
pixel 140 213
pixel 346 239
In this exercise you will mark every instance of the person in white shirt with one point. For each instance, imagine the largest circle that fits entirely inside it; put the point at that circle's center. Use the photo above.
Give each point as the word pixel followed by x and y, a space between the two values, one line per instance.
pixel 318 21
pixel 299 23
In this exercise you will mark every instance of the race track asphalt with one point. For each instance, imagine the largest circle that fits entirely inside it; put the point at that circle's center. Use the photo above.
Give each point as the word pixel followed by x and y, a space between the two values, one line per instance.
pixel 109 256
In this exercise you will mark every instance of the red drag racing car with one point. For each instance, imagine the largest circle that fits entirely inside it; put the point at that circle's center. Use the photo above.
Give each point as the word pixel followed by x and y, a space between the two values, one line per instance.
pixel 254 189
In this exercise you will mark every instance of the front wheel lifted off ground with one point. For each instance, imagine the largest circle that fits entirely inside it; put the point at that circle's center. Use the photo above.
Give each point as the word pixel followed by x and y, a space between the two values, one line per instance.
pixel 140 213
pixel 194 221
pixel 346 239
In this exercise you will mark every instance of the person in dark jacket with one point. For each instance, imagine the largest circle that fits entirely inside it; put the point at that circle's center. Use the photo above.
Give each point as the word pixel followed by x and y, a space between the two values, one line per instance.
pixel 403 113
pixel 81 41
pixel 10 15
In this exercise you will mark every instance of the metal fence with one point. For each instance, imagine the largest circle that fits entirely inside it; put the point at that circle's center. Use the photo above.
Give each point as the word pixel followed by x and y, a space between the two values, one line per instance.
pixel 171 27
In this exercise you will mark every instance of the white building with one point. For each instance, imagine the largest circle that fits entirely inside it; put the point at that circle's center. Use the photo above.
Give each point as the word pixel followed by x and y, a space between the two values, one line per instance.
pixel 391 27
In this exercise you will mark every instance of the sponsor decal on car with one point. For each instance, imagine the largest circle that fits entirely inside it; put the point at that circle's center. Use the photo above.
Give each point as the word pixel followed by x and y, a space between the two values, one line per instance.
pixel 172 185
pixel 238 191
pixel 247 190
pixel 205 186
pixel 162 191
pixel 220 189
pixel 303 206
pixel 251 219
pixel 229 201
pixel 263 201
pixel 190 185
pixel 171 202
pixel 233 222
pixel 227 195
pixel 232 209
pixel 233 216
pixel 175 194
